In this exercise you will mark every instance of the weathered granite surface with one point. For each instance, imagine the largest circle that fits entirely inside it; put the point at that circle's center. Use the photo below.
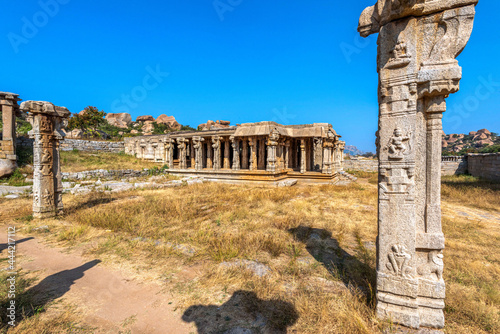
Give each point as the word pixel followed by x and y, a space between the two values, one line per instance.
pixel 417 46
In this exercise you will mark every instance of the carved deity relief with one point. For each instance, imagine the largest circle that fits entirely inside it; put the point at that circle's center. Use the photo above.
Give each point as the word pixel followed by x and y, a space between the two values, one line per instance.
pixel 398 262
pixel 399 145
pixel 400 57
pixel 46 156
pixel 45 124
pixel 48 198
pixel 433 269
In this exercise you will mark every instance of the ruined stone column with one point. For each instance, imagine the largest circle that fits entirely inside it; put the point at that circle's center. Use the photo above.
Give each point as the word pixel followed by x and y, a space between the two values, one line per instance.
pixel 244 153
pixel 47 121
pixel 198 152
pixel 9 108
pixel 317 154
pixel 418 43
pixel 328 145
pixel 236 153
pixel 302 156
pixel 341 155
pixel 272 143
pixel 227 163
pixel 216 147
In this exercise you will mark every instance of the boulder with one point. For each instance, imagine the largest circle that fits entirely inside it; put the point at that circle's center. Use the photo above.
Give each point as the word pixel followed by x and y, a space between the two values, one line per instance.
pixel 148 127
pixel 7 167
pixel 75 134
pixel 472 133
pixel 214 125
pixel 444 143
pixel 134 132
pixel 170 121
pixel 121 120
pixel 145 119
pixel 485 131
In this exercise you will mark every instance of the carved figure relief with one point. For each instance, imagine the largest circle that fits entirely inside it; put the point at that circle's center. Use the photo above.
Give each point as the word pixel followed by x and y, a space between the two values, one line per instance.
pixel 48 198
pixel 400 57
pixel 433 269
pixel 46 156
pixel 274 137
pixel 398 145
pixel 398 262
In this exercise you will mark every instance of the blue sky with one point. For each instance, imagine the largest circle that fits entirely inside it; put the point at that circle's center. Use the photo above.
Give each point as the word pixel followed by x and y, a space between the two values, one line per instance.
pixel 245 61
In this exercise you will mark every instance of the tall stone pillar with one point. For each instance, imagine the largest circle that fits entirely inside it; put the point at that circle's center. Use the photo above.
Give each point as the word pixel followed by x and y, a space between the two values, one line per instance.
pixel 302 156
pixel 227 163
pixel 217 155
pixel 236 153
pixel 198 152
pixel 47 121
pixel 244 154
pixel 272 143
pixel 418 43
pixel 341 155
pixel 9 107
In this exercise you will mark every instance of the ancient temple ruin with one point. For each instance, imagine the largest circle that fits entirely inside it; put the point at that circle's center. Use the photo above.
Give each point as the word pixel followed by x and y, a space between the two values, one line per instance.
pixel 418 43
pixel 47 121
pixel 263 152
pixel 10 109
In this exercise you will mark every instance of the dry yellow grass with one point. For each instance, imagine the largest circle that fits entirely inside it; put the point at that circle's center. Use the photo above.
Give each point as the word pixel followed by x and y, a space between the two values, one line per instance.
pixel 317 241
pixel 77 161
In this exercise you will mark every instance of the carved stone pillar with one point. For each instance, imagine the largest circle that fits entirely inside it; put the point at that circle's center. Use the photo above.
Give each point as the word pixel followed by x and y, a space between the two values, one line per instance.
pixel 217 155
pixel 198 152
pixel 272 143
pixel 287 154
pixel 193 155
pixel 181 146
pixel 169 148
pixel 244 154
pixel 236 153
pixel 227 163
pixel 302 156
pixel 210 154
pixel 318 154
pixel 418 43
pixel 341 155
pixel 328 146
pixel 252 142
pixel 262 154
pixel 47 121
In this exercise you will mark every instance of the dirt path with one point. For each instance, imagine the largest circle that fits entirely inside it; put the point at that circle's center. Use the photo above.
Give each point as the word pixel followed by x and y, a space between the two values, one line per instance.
pixel 106 298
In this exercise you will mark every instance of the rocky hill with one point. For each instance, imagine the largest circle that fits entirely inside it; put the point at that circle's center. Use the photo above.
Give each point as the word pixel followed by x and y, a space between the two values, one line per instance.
pixel 476 141
pixel 352 150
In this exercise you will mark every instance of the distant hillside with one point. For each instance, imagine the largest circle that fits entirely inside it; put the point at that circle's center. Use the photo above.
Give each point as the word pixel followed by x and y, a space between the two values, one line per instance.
pixel 352 150
pixel 481 141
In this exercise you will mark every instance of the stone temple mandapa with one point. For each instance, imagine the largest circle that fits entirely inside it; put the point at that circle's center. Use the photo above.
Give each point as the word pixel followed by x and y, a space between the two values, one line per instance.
pixel 262 152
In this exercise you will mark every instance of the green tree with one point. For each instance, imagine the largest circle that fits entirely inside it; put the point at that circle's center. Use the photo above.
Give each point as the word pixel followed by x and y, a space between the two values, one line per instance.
pixel 88 121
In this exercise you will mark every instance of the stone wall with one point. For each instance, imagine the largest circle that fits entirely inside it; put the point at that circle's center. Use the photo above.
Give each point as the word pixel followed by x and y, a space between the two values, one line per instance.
pixel 105 174
pixel 361 165
pixel 82 145
pixel 449 165
pixel 485 165
pixel 453 165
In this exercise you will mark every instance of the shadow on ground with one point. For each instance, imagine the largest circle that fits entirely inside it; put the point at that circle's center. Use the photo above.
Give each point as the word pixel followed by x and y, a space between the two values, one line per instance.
pixel 35 299
pixel 357 271
pixel 244 313
pixel 5 246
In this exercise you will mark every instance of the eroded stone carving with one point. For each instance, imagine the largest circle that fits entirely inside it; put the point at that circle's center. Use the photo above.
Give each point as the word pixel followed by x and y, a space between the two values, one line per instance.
pixel 418 43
